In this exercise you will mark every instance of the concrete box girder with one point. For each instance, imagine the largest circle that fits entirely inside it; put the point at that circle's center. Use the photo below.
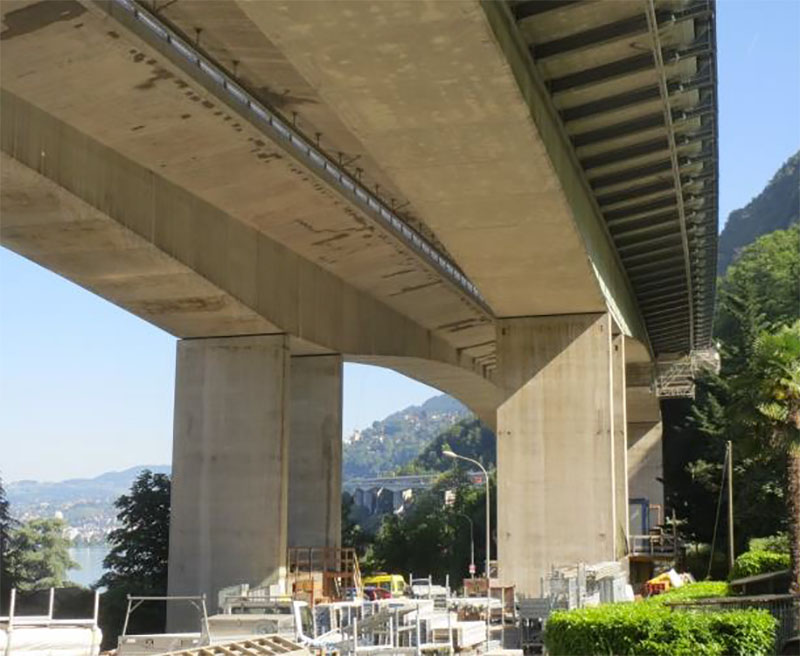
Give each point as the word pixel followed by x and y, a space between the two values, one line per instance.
pixel 439 117
pixel 153 114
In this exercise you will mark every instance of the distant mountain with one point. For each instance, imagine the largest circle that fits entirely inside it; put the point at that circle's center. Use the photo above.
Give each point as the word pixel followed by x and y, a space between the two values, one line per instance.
pixel 86 504
pixel 105 487
pixel 395 441
pixel 775 208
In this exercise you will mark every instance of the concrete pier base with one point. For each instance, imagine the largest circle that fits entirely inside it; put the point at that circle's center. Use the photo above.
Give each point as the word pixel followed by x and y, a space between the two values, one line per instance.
pixel 229 469
pixel 315 459
pixel 555 447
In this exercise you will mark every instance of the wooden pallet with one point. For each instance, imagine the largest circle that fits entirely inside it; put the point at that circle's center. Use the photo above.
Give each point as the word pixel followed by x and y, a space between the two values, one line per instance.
pixel 263 646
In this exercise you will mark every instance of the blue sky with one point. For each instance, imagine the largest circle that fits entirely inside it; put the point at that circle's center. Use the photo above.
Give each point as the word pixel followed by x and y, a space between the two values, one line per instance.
pixel 86 387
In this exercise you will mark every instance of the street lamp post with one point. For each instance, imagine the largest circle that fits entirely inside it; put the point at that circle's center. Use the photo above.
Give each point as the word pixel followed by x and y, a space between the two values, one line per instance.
pixel 450 454
pixel 471 544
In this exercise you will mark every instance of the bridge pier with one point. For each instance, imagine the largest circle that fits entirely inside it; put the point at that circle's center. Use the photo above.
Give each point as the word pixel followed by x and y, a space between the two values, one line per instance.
pixel 557 490
pixel 315 458
pixel 230 467
pixel 620 446
pixel 646 461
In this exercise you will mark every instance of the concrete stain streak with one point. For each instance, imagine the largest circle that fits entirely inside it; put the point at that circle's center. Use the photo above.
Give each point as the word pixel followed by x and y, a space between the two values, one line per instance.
pixel 463 324
pixel 415 288
pixel 182 305
pixel 36 16
pixel 398 273
pixel 158 74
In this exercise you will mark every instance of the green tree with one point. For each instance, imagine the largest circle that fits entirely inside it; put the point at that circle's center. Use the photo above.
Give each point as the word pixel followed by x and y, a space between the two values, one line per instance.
pixel 7 523
pixel 353 533
pixel 431 537
pixel 468 437
pixel 137 562
pixel 39 554
pixel 767 407
pixel 759 293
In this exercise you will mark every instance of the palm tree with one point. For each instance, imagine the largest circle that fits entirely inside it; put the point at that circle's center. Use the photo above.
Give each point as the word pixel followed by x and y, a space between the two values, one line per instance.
pixel 769 407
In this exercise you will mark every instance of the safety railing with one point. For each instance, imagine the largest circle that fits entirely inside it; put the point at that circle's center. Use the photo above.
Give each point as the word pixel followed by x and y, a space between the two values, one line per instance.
pixel 784 608
pixel 660 545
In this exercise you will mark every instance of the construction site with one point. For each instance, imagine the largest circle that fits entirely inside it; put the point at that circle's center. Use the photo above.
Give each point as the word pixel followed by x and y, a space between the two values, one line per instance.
pixel 324 606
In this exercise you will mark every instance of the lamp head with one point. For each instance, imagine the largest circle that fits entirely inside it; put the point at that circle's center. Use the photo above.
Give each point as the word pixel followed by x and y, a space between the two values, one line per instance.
pixel 447 453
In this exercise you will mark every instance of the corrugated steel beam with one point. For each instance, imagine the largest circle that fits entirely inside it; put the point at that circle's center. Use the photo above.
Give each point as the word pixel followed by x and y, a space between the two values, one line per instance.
pixel 523 10
pixel 629 211
pixel 622 67
pixel 635 246
pixel 632 97
pixel 640 124
pixel 610 32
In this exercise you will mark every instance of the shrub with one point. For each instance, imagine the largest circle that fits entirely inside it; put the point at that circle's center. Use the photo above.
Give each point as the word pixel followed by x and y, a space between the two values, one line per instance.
pixel 699 590
pixel 751 563
pixel 778 543
pixel 652 629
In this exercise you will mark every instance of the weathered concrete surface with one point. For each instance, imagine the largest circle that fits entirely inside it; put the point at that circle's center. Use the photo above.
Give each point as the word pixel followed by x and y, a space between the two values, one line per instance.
pixel 431 96
pixel 230 466
pixel 315 452
pixel 47 224
pixel 153 150
pixel 555 446
pixel 646 461
pixel 264 283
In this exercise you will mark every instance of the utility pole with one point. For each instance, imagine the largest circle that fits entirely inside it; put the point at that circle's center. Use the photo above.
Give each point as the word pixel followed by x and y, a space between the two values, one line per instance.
pixel 729 459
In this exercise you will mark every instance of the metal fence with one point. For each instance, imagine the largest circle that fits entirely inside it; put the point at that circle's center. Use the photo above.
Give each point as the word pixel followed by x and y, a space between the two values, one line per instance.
pixel 785 608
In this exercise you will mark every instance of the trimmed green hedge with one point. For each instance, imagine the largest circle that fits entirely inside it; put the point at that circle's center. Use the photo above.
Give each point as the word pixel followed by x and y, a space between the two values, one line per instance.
pixel 751 563
pixel 652 629
pixel 698 590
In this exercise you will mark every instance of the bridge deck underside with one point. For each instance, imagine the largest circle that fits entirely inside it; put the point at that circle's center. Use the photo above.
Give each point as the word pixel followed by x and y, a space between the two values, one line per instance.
pixel 108 88
pixel 604 83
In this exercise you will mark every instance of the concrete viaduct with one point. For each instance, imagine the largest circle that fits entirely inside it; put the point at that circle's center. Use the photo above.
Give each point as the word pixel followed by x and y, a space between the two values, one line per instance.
pixel 515 202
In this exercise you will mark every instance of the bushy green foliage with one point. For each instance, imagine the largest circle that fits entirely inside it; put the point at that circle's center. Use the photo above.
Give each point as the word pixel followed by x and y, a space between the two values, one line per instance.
pixel 698 590
pixel 758 294
pixel 649 629
pixel 779 543
pixel 469 437
pixel 431 538
pixel 7 523
pixel 751 563
pixel 39 554
pixel 137 562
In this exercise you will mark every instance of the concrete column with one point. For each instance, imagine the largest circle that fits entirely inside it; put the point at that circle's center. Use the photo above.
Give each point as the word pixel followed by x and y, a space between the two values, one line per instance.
pixel 646 461
pixel 230 467
pixel 315 458
pixel 620 447
pixel 556 494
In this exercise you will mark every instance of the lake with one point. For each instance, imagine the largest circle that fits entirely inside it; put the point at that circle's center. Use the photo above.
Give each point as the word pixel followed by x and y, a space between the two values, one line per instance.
pixel 90 559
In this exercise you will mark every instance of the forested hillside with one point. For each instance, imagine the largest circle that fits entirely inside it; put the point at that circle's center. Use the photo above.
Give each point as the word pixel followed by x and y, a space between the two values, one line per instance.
pixel 758 294
pixel 775 208
pixel 395 441
pixel 469 437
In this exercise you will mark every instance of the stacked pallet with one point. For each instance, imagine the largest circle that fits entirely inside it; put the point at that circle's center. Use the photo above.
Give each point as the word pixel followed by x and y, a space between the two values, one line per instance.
pixel 271 645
